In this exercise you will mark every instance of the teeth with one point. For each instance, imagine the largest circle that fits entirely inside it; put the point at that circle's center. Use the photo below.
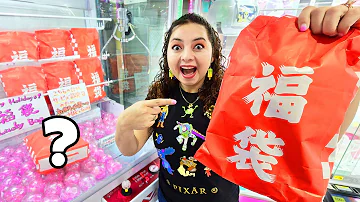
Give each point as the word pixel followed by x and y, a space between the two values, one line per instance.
pixel 188 67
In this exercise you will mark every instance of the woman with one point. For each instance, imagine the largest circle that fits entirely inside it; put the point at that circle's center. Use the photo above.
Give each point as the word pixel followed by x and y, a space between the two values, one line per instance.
pixel 191 74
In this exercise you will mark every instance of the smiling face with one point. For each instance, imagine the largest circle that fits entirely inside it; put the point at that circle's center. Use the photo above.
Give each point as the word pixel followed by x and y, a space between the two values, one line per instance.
pixel 189 55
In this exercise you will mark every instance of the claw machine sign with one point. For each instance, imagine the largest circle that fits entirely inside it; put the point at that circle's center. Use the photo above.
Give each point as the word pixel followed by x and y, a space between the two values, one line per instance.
pixel 70 101
pixel 21 112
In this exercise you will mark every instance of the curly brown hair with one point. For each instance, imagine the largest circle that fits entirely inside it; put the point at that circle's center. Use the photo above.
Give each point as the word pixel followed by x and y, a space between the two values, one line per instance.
pixel 208 93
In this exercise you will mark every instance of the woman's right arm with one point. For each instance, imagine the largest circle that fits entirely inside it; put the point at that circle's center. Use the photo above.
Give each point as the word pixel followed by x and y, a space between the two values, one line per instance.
pixel 130 142
pixel 133 127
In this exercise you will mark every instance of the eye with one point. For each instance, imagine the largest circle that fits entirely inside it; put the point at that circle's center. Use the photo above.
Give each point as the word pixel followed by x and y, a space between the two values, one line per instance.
pixel 199 47
pixel 176 47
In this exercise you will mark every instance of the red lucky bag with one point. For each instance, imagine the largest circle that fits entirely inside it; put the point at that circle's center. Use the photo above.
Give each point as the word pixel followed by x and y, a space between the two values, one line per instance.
pixel 22 80
pixel 38 147
pixel 90 72
pixel 85 42
pixel 54 43
pixel 60 74
pixel 15 46
pixel 280 107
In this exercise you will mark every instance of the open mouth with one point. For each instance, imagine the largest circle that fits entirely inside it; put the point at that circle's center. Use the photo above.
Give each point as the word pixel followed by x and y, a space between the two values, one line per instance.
pixel 188 70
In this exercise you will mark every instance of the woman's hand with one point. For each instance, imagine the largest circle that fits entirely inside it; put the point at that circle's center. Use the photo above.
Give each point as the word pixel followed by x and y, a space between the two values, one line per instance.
pixel 331 21
pixel 142 114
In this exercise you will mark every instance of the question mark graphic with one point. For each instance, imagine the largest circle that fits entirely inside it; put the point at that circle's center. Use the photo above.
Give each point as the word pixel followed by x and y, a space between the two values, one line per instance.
pixel 69 135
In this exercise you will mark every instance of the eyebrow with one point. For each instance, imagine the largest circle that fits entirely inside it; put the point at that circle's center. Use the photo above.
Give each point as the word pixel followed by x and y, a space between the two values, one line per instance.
pixel 197 39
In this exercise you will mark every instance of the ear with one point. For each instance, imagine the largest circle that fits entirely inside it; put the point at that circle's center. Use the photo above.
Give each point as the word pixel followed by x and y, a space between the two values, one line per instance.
pixel 212 59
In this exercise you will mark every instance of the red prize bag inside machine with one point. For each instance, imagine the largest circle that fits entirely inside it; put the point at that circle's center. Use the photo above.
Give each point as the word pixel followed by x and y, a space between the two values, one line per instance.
pixel 22 80
pixel 15 46
pixel 60 74
pixel 90 72
pixel 39 149
pixel 54 43
pixel 85 42
pixel 282 100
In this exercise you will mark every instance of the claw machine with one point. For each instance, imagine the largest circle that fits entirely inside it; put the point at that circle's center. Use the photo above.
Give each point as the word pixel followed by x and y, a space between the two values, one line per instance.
pixel 131 52
pixel 135 46
pixel 87 60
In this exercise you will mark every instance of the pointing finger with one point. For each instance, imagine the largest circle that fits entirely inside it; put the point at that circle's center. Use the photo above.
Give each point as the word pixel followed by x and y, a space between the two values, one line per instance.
pixel 159 102
pixel 155 110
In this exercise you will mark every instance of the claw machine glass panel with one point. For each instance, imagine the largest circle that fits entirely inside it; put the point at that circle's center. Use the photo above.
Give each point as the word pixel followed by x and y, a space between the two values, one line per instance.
pixel 132 46
pixel 136 47
pixel 345 182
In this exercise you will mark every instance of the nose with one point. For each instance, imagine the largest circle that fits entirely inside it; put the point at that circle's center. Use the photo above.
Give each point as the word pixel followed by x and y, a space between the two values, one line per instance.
pixel 187 55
